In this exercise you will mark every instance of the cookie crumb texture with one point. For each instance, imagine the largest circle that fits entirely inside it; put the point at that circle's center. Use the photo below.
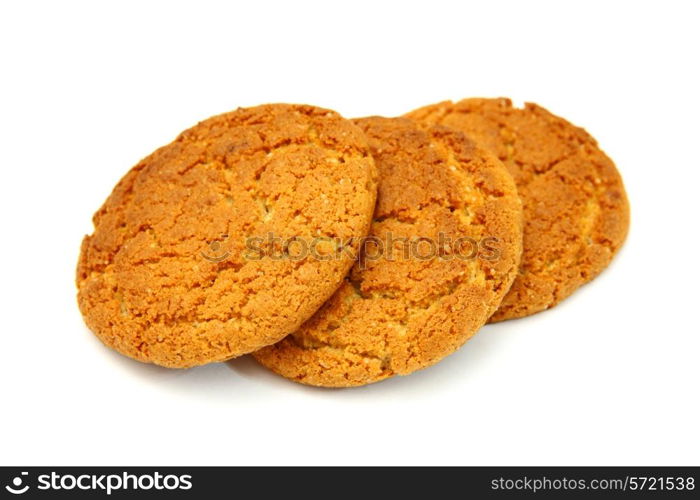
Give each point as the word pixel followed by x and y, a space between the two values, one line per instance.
pixel 165 277
pixel 575 206
pixel 395 315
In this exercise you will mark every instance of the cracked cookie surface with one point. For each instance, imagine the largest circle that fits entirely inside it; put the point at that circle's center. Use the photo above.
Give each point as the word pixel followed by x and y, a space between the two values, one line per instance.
pixel 168 275
pixel 398 312
pixel 575 207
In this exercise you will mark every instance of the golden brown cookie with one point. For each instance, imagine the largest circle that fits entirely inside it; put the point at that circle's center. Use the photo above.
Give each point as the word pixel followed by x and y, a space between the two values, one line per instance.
pixel 197 256
pixel 443 249
pixel 575 206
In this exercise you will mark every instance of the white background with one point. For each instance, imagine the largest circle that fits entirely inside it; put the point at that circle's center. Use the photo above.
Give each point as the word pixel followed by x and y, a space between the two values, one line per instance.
pixel 608 377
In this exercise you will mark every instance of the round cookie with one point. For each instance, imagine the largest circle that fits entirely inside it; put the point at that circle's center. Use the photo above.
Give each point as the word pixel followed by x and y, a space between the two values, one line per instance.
pixel 198 254
pixel 408 302
pixel 575 206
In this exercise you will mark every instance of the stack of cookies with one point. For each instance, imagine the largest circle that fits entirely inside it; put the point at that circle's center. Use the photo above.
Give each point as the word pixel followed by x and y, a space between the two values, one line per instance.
pixel 343 252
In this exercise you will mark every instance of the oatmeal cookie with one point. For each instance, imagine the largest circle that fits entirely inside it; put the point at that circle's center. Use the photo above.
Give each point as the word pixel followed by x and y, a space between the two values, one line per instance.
pixel 177 271
pixel 446 240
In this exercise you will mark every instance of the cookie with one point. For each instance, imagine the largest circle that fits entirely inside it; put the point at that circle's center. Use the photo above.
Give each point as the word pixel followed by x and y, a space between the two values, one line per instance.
pixel 443 249
pixel 198 254
pixel 575 206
